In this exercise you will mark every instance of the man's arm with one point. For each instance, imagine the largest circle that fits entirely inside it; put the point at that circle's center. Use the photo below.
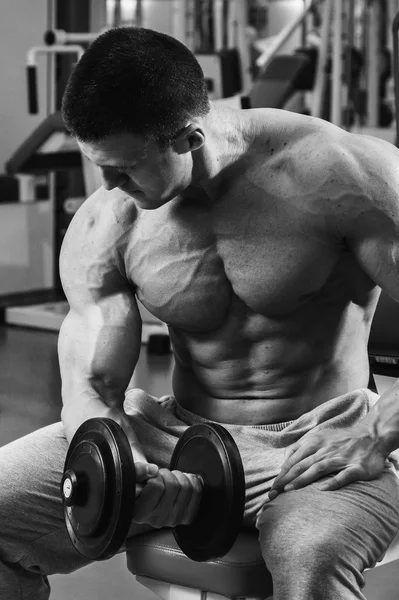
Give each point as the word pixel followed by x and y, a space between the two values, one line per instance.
pixel 99 341
pixel 371 229
pixel 353 180
pixel 99 345
pixel 356 183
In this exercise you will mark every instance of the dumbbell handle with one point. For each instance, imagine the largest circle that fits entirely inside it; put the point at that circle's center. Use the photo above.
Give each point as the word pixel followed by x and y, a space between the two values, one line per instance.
pixel 140 486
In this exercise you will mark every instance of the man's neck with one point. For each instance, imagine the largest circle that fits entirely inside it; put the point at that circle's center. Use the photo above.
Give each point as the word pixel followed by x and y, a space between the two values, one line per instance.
pixel 226 141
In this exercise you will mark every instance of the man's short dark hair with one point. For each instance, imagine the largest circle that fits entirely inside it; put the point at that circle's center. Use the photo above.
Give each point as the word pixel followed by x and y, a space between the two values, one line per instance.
pixel 134 80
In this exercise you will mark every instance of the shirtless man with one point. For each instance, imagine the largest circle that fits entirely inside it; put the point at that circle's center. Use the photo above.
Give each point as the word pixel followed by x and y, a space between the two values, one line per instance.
pixel 262 238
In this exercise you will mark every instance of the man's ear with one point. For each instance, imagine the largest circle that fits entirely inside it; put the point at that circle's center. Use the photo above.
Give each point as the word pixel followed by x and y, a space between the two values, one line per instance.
pixel 190 139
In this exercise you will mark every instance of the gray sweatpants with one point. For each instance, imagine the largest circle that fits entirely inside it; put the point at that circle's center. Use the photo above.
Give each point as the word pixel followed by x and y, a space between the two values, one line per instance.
pixel 316 544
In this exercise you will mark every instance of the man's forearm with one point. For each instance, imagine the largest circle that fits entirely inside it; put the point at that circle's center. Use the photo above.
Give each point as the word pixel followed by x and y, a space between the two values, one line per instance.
pixel 382 421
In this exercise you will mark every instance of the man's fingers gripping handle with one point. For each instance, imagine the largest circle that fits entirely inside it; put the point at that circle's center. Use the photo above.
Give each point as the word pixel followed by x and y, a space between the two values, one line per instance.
pixel 144 472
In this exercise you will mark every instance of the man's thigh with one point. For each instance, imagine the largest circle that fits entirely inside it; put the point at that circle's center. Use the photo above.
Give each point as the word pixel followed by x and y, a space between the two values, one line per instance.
pixel 358 521
pixel 32 523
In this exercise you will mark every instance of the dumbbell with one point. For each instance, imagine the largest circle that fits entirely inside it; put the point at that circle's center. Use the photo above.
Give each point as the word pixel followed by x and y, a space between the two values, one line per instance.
pixel 98 489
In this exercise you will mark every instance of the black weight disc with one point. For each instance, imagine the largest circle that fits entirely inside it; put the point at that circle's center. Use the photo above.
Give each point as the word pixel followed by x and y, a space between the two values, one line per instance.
pixel 208 449
pixel 98 488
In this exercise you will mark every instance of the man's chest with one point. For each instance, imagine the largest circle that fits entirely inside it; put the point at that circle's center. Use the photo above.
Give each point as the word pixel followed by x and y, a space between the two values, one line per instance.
pixel 185 270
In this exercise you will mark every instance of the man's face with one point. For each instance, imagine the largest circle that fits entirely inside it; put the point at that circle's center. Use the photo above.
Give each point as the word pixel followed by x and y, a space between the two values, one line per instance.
pixel 140 169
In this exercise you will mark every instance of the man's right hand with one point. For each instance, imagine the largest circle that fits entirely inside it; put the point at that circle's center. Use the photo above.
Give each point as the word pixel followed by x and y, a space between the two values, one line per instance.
pixel 167 499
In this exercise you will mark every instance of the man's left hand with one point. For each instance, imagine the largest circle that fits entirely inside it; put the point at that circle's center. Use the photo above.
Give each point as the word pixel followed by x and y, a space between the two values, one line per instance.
pixel 350 454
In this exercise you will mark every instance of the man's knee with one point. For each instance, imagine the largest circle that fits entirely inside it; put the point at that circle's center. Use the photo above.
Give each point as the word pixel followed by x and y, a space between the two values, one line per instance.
pixel 296 534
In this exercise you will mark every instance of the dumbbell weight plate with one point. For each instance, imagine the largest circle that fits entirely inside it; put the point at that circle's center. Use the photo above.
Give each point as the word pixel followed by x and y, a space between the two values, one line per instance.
pixel 98 488
pixel 208 449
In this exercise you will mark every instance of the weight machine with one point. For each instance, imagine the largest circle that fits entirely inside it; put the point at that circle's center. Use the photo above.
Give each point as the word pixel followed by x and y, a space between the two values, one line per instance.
pixel 214 30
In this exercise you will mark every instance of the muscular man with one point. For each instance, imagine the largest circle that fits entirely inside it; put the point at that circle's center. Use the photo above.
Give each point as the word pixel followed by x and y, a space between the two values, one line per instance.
pixel 262 238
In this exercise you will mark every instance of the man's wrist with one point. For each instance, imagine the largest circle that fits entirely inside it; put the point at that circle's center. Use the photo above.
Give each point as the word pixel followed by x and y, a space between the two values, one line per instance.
pixel 383 432
pixel 380 441
pixel 387 442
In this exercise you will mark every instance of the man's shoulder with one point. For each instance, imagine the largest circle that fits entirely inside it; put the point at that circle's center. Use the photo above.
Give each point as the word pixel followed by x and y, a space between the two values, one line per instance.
pixel 347 175
pixel 323 157
pixel 323 170
pixel 112 210
pixel 332 155
pixel 93 244
pixel 104 217
pixel 300 140
pixel 293 153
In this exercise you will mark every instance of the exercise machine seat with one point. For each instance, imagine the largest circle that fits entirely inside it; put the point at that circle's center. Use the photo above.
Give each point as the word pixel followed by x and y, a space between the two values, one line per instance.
pixel 241 573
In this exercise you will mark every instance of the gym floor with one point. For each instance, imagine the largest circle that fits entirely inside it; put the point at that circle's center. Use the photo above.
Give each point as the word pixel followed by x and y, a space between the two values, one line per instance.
pixel 30 399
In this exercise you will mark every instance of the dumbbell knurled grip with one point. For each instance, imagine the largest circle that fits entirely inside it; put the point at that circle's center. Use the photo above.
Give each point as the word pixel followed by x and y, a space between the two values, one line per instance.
pixel 141 486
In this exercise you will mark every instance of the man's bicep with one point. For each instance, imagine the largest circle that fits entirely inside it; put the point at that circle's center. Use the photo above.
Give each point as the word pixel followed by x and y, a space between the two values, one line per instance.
pixel 368 209
pixel 99 345
pixel 371 230
pixel 379 258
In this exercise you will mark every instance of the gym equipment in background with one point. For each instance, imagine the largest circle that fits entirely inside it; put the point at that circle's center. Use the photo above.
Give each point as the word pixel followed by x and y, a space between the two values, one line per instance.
pixel 283 76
